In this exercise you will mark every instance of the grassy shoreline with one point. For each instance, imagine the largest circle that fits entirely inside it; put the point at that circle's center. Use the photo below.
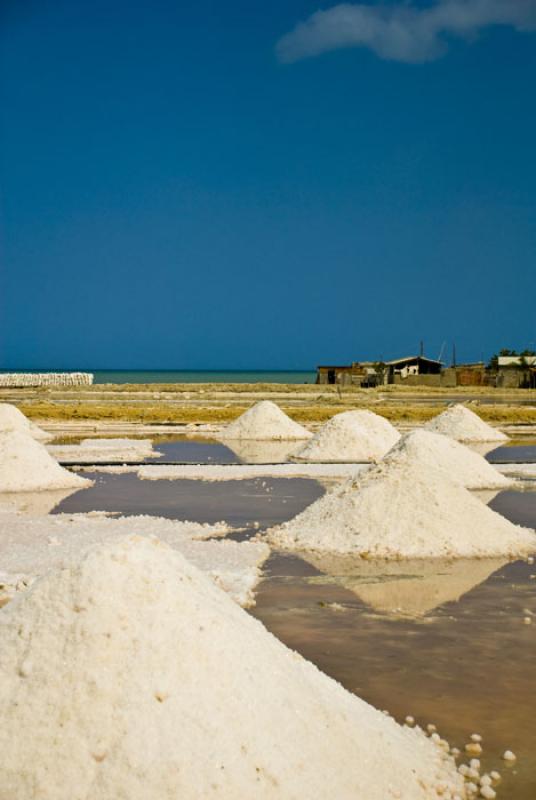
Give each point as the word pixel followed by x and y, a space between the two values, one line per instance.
pixel 177 414
pixel 217 403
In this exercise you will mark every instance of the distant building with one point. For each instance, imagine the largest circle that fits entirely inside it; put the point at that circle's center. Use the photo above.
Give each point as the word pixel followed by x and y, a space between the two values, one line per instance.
pixel 364 373
pixel 512 372
pixel 402 368
pixel 517 361
pixel 516 372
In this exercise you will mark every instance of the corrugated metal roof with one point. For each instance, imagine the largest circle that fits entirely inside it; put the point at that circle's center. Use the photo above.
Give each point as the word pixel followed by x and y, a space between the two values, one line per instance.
pixel 413 358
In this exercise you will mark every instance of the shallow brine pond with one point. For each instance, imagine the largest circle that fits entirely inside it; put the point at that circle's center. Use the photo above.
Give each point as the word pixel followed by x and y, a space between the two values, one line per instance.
pixel 445 642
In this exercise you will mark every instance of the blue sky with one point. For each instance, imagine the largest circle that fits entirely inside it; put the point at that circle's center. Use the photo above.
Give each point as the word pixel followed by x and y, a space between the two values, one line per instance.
pixel 252 184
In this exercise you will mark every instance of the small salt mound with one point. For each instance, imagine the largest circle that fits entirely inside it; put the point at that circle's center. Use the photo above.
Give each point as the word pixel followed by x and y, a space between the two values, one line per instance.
pixel 11 419
pixel 26 466
pixel 355 436
pixel 128 674
pixel 460 423
pixel 457 462
pixel 403 511
pixel 264 420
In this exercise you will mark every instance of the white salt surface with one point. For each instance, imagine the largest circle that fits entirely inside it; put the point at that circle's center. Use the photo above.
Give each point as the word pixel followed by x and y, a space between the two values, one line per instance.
pixel 462 424
pixel 129 675
pixel 408 511
pixel 98 450
pixel 11 419
pixel 264 420
pixel 404 588
pixel 234 472
pixel 453 459
pixel 355 436
pixel 31 546
pixel 26 466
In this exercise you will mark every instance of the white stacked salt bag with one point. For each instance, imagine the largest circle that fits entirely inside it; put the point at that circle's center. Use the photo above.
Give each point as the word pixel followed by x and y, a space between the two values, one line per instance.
pixel 26 466
pixel 457 462
pixel 462 424
pixel 264 420
pixel 403 511
pixel 11 419
pixel 354 436
pixel 129 674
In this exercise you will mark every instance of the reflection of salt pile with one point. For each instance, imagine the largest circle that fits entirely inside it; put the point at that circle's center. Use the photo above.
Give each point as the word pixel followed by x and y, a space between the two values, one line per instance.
pixel 35 503
pixel 31 546
pixel 460 423
pixel 250 451
pixel 93 451
pixel 128 674
pixel 11 419
pixel 407 511
pixel 455 461
pixel 26 466
pixel 264 420
pixel 354 436
pixel 407 588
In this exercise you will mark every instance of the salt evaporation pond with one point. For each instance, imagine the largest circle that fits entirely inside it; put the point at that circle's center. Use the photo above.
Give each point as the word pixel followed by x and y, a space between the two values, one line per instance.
pixel 465 665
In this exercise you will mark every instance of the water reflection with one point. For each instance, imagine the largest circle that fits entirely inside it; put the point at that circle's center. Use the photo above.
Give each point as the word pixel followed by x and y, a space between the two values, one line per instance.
pixel 35 503
pixel 404 588
pixel 263 452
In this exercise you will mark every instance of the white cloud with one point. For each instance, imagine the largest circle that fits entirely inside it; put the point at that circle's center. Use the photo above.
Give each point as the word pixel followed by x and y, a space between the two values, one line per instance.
pixel 402 32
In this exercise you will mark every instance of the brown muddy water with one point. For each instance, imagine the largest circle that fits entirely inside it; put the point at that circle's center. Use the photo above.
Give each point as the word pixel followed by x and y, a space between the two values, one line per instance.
pixel 444 642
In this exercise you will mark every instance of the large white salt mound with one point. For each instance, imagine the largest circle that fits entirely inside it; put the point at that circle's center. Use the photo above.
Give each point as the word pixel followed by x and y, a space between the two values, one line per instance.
pixel 11 419
pixel 462 424
pixel 26 466
pixel 403 511
pixel 355 436
pixel 129 675
pixel 457 462
pixel 264 420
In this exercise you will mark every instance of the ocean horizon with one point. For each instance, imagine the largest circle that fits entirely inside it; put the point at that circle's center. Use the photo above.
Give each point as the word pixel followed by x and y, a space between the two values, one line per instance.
pixel 188 376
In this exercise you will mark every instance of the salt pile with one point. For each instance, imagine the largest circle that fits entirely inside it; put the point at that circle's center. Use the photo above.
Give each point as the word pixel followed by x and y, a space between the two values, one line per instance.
pixel 355 436
pixel 404 588
pixel 26 466
pixel 30 546
pixel 457 462
pixel 11 419
pixel 128 674
pixel 460 423
pixel 403 511
pixel 264 420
